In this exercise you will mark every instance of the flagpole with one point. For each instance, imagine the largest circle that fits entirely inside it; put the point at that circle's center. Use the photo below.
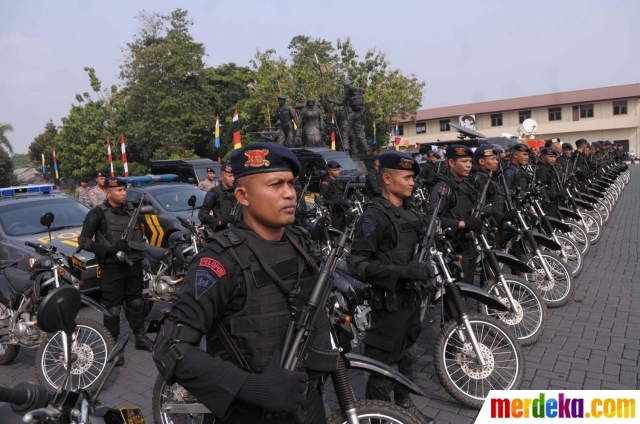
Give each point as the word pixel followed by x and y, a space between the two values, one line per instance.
pixel 44 170
pixel 326 94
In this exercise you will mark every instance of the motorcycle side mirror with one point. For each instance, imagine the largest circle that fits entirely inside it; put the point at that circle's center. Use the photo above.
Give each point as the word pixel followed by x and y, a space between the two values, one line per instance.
pixel 321 173
pixel 191 180
pixel 47 219
pixel 192 201
pixel 148 210
pixel 58 310
pixel 318 232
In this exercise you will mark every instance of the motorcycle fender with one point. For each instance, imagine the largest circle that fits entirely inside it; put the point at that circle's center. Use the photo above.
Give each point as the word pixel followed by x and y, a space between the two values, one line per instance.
pixel 512 262
pixel 588 198
pixel 568 213
pixel 95 305
pixel 559 225
pixel 584 205
pixel 482 296
pixel 545 241
pixel 363 363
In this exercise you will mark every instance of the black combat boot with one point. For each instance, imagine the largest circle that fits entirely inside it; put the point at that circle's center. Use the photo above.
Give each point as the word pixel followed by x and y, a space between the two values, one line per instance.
pixel 142 341
pixel 405 402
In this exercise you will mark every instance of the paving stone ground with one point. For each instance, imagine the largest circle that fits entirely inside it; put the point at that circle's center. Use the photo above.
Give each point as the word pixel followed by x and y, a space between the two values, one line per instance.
pixel 592 343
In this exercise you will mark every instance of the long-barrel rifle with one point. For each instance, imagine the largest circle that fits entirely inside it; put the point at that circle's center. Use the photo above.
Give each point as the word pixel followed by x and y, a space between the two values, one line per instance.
pixel 127 235
pixel 302 193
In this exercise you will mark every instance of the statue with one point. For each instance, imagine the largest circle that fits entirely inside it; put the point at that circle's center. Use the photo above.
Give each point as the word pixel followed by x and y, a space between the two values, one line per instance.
pixel 286 115
pixel 311 125
pixel 353 104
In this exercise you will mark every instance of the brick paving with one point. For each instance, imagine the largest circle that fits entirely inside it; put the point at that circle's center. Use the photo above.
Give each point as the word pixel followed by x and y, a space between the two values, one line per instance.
pixel 592 343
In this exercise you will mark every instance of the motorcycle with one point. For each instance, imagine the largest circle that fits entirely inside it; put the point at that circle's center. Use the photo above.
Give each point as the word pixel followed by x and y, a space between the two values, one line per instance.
pixel 22 290
pixel 30 403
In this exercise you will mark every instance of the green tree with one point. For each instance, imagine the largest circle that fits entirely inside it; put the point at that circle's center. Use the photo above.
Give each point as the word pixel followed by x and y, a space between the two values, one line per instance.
pixel 81 142
pixel 20 160
pixel 43 143
pixel 4 140
pixel 166 108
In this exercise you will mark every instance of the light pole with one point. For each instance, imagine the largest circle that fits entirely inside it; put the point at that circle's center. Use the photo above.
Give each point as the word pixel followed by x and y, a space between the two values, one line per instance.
pixel 253 88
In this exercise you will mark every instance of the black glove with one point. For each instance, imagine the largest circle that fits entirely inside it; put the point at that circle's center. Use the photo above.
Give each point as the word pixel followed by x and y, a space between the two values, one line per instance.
pixel 413 271
pixel 228 220
pixel 275 389
pixel 472 223
pixel 120 246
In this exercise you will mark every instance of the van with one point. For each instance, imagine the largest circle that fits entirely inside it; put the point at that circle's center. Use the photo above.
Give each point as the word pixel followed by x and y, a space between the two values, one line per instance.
pixel 190 171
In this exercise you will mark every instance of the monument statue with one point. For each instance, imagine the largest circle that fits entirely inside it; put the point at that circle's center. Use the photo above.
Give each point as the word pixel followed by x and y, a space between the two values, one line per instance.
pixel 311 124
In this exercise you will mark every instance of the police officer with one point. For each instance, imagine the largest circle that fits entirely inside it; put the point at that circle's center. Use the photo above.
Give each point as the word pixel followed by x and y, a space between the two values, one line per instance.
pixel 241 292
pixel 546 178
pixel 516 177
pixel 487 157
pixel 98 194
pixel 219 202
pixel 286 115
pixel 121 284
pixel 82 192
pixel 332 191
pixel 372 184
pixel 210 182
pixel 381 254
pixel 429 170
pixel 456 207
pixel 563 162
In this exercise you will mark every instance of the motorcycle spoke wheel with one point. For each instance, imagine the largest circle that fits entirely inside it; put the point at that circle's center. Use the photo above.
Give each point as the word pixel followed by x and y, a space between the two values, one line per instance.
pixel 580 237
pixel 558 290
pixel 459 372
pixel 592 227
pixel 529 323
pixel 376 412
pixel 572 255
pixel 164 394
pixel 90 347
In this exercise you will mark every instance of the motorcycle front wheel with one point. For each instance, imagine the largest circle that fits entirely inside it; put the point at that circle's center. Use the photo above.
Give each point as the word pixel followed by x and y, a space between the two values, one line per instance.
pixel 90 348
pixel 580 237
pixel 572 255
pixel 558 290
pixel 8 353
pixel 163 394
pixel 376 411
pixel 460 373
pixel 529 323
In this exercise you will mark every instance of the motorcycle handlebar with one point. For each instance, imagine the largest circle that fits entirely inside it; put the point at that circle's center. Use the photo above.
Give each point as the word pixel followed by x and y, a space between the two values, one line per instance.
pixel 181 219
pixel 17 395
pixel 32 245
pixel 25 396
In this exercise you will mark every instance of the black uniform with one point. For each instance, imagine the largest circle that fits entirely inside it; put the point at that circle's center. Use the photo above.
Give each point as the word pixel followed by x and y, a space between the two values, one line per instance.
pixel 547 180
pixel 372 186
pixel 219 201
pixel 517 178
pixel 385 238
pixel 120 283
pixel 251 287
pixel 332 191
pixel 455 207
pixel 428 174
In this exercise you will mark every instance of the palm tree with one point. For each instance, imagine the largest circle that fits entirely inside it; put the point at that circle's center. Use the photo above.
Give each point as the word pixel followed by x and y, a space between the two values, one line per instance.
pixel 4 141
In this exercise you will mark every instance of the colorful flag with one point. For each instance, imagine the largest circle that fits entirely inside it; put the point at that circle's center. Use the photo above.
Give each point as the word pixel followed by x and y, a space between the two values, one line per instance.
pixel 397 139
pixel 55 168
pixel 124 157
pixel 406 143
pixel 375 140
pixel 333 132
pixel 109 156
pixel 44 170
pixel 216 142
pixel 237 141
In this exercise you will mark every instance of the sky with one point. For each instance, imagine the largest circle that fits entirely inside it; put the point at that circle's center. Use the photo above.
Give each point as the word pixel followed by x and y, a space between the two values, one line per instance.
pixel 465 51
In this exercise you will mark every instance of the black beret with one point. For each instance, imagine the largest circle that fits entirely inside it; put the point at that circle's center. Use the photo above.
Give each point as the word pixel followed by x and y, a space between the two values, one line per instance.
pixel 485 150
pixel 457 151
pixel 547 142
pixel 211 170
pixel 226 168
pixel 597 144
pixel 581 142
pixel 608 143
pixel 333 164
pixel 375 157
pixel 431 153
pixel 115 182
pixel 567 146
pixel 258 158
pixel 398 160
pixel 548 151
pixel 521 147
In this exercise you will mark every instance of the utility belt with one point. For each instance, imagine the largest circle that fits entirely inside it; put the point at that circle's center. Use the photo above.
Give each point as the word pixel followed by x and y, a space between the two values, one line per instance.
pixel 383 300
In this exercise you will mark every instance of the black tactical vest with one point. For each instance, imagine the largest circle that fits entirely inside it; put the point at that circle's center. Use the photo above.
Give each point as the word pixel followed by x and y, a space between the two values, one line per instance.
pixel 116 226
pixel 408 228
pixel 463 197
pixel 496 194
pixel 259 328
pixel 226 202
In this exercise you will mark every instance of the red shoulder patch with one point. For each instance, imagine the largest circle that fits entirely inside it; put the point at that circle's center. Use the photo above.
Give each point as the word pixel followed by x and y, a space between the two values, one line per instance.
pixel 325 183
pixel 214 266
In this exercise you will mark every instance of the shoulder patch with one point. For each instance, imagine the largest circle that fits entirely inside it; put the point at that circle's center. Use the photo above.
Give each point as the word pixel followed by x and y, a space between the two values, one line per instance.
pixel 325 183
pixel 368 226
pixel 214 266
pixel 204 281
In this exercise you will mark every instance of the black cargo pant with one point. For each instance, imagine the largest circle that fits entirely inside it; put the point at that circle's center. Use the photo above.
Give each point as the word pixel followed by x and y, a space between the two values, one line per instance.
pixel 122 285
pixel 392 340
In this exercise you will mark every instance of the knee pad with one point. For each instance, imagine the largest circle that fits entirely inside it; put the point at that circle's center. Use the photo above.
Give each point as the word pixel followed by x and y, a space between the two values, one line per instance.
pixel 134 306
pixel 115 313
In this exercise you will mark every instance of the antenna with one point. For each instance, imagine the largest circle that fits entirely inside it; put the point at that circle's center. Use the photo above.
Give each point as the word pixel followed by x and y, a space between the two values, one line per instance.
pixel 530 126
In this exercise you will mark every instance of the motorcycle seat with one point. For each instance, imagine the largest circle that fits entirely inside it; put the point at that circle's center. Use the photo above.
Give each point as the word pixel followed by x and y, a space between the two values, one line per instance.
pixel 157 253
pixel 18 278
